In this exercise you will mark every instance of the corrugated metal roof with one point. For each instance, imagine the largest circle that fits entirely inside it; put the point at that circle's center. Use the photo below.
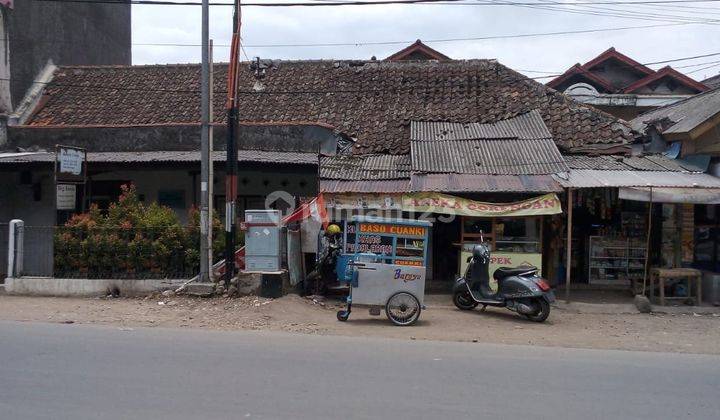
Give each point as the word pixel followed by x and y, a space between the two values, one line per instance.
pixel 624 163
pixel 517 146
pixel 590 178
pixel 171 156
pixel 378 186
pixel 484 183
pixel 684 116
pixel 494 157
pixel 529 125
pixel 365 167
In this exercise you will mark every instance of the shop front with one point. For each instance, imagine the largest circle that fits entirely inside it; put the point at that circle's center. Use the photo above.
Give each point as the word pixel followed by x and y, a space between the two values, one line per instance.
pixel 513 229
pixel 630 227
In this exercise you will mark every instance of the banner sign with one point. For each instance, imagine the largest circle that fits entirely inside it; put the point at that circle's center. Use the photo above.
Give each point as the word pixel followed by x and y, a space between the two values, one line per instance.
pixel 401 230
pixel 447 204
pixel 364 201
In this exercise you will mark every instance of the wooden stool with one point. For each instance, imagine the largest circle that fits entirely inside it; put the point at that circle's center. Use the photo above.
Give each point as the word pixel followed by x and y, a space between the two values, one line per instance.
pixel 659 276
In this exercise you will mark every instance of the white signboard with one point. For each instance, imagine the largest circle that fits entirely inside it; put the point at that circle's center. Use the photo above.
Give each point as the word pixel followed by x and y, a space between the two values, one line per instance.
pixel 71 161
pixel 66 196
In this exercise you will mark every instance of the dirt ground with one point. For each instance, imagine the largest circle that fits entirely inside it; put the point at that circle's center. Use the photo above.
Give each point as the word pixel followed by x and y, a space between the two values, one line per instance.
pixel 657 332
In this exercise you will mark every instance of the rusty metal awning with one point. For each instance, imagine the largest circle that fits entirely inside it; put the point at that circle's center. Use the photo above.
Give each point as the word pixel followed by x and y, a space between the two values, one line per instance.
pixel 671 195
pixel 365 186
pixel 591 178
pixel 484 183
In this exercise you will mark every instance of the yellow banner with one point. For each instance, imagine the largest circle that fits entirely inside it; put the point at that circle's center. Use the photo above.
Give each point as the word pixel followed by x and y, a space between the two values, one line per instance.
pixel 448 204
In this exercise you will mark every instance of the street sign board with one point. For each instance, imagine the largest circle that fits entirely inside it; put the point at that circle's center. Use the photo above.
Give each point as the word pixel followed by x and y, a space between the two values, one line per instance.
pixel 70 164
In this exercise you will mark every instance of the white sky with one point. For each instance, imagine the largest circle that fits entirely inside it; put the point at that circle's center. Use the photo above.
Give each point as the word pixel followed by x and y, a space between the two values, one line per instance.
pixel 293 25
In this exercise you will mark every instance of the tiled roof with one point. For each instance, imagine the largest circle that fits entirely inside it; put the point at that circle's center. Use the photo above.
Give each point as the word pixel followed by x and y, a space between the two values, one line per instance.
pixel 712 82
pixel 372 101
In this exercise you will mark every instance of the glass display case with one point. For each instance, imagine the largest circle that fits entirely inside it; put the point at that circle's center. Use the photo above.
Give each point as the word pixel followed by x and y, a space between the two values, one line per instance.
pixel 615 260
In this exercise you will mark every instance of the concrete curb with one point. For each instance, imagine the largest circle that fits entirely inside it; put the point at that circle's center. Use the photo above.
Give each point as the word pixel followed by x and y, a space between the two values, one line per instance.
pixel 50 286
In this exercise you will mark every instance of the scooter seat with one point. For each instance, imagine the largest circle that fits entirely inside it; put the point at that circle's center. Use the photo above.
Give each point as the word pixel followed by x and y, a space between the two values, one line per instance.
pixel 504 272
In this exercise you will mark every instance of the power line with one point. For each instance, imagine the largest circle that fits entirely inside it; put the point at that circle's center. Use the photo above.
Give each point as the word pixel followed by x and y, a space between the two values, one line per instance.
pixel 705 68
pixel 561 7
pixel 404 42
pixel 372 3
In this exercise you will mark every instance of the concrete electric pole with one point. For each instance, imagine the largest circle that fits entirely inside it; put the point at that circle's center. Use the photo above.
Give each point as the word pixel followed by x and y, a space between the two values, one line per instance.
pixel 205 139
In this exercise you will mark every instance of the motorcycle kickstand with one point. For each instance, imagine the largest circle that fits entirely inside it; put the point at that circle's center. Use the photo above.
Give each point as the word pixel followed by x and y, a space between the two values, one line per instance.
pixel 483 308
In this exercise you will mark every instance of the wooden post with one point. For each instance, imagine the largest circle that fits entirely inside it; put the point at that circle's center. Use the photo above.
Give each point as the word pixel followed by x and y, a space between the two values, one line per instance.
pixel 568 248
pixel 647 243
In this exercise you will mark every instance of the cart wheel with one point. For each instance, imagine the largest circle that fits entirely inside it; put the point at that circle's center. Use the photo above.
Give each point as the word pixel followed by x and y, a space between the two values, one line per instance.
pixel 343 315
pixel 403 309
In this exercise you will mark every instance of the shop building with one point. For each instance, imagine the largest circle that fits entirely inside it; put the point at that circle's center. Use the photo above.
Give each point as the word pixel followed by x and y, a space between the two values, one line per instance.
pixel 630 214
pixel 474 181
pixel 507 183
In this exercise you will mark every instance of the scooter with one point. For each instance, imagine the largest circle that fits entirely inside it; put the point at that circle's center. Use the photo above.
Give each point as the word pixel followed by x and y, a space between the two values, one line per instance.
pixel 520 289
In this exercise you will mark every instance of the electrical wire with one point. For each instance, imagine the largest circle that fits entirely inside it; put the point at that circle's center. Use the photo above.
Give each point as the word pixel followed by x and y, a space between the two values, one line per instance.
pixel 367 3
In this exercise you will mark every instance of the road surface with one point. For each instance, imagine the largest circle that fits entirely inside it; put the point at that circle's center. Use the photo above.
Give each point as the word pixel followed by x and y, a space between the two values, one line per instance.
pixel 57 371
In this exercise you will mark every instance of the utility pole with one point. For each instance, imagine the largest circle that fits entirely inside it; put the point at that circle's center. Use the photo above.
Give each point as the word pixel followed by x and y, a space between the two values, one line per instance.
pixel 205 140
pixel 231 165
pixel 211 170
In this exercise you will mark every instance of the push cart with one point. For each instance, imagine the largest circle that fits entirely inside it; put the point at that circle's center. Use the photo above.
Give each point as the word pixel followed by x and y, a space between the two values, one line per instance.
pixel 386 269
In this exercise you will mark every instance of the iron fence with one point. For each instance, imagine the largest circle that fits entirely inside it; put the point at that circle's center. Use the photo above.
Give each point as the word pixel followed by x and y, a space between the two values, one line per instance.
pixel 167 252
pixel 37 251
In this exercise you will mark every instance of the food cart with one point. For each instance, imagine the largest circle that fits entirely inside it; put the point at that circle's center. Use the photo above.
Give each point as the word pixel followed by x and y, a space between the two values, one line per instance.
pixel 387 268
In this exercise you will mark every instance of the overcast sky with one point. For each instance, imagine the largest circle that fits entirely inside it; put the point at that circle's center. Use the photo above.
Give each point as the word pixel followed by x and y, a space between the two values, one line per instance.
pixel 356 24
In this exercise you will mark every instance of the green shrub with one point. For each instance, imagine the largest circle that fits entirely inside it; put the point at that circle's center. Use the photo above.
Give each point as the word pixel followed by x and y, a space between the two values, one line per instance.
pixel 131 240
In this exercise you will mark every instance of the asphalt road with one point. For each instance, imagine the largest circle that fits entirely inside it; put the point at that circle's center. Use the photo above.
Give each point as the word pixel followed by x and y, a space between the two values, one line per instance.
pixel 55 371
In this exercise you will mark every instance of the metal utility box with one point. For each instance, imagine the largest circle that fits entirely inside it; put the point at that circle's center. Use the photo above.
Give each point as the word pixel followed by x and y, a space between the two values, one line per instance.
pixel 262 240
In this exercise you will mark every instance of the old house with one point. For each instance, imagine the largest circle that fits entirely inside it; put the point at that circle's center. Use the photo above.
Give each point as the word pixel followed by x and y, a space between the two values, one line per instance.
pixel 367 134
pixel 623 87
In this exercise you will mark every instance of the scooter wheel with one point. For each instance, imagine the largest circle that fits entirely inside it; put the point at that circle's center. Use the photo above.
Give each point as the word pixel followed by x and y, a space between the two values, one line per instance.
pixel 464 301
pixel 542 313
pixel 342 316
